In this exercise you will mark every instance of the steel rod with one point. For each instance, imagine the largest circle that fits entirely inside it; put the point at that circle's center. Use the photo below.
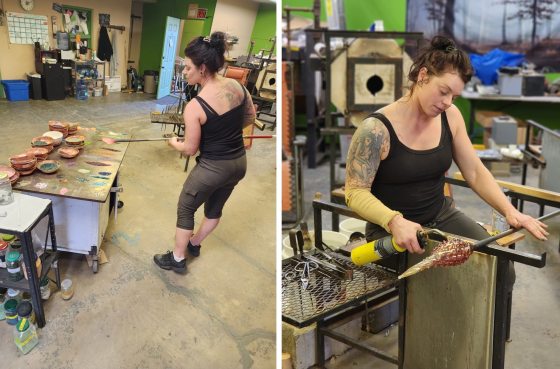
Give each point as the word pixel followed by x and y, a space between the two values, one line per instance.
pixel 486 241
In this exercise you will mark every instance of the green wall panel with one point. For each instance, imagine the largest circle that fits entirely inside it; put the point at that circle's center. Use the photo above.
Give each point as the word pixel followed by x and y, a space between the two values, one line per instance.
pixel 360 14
pixel 264 28
pixel 153 27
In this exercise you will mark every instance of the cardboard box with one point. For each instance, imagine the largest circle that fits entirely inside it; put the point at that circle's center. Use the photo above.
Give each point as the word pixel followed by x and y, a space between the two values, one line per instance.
pixel 498 168
pixel 485 119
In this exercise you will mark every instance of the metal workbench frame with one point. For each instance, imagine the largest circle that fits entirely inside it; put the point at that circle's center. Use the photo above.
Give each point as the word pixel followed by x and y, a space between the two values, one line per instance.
pixel 502 306
pixel 50 260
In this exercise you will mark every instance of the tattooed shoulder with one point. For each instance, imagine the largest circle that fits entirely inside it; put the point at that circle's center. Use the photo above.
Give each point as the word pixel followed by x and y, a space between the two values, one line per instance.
pixel 370 145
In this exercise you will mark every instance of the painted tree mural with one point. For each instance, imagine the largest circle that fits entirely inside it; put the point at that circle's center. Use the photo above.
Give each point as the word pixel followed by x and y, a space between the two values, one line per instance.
pixel 531 27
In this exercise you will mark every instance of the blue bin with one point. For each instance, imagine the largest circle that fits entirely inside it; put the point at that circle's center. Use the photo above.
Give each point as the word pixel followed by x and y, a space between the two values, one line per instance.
pixel 16 89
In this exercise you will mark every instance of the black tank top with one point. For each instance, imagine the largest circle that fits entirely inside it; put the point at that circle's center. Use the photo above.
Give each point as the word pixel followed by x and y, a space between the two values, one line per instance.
pixel 222 135
pixel 411 181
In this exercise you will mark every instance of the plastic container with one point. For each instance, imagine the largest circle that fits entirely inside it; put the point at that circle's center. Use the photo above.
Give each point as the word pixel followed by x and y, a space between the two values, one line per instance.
pixel 6 195
pixel 25 336
pixel 15 245
pixel 2 301
pixel 81 90
pixel 67 289
pixel 14 294
pixel 3 250
pixel 13 266
pixel 45 288
pixel 25 311
pixel 16 89
pixel 97 91
pixel 8 237
pixel 10 310
pixel 351 225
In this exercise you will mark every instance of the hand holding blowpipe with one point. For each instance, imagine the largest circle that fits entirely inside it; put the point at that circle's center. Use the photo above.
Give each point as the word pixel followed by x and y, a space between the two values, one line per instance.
pixel 111 141
pixel 456 251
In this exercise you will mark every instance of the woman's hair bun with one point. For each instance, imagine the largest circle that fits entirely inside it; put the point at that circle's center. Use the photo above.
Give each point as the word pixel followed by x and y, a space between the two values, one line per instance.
pixel 218 41
pixel 443 43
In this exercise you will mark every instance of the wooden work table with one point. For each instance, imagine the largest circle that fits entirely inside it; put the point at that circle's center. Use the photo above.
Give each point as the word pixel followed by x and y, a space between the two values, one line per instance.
pixel 88 176
pixel 83 192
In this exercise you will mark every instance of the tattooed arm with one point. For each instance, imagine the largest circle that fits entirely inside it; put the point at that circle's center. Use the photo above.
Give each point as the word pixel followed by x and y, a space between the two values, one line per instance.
pixel 370 145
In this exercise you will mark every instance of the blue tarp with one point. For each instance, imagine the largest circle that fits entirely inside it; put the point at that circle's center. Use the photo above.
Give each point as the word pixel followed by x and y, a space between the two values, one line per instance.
pixel 486 66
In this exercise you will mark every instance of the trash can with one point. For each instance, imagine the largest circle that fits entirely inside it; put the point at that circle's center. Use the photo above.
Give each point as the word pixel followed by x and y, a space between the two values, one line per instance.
pixel 35 86
pixel 150 81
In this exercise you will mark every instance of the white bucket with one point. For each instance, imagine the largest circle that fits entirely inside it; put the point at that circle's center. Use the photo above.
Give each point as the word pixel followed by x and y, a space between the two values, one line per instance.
pixel 332 239
pixel 97 91
pixel 351 225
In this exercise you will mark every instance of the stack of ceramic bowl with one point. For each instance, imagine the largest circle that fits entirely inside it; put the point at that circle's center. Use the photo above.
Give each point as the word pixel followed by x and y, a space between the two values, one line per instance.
pixel 55 135
pixel 43 141
pixel 55 125
pixel 72 128
pixel 76 141
pixel 40 153
pixel 11 172
pixel 25 163
pixel 67 152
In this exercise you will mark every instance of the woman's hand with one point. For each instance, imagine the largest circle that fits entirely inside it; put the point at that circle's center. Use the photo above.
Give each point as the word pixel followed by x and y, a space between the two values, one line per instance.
pixel 174 142
pixel 404 233
pixel 537 228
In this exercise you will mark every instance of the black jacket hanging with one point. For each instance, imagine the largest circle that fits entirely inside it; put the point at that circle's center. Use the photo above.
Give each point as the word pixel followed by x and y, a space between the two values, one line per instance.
pixel 104 48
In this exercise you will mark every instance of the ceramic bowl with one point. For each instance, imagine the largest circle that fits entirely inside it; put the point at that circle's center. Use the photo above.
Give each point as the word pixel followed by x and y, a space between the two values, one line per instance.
pixel 48 166
pixel 40 153
pixel 55 135
pixel 24 167
pixel 42 141
pixel 75 140
pixel 72 128
pixel 68 152
pixel 24 158
pixel 8 170
pixel 26 172
pixel 58 125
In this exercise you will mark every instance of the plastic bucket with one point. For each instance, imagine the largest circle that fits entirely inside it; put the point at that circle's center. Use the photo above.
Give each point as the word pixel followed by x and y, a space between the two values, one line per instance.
pixel 334 240
pixel 351 225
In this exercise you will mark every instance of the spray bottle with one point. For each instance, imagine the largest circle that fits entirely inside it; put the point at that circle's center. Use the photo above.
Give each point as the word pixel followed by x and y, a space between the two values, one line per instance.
pixel 382 248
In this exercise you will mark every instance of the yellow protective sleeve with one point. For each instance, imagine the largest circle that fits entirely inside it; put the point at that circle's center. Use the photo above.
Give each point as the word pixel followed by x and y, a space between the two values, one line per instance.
pixel 363 202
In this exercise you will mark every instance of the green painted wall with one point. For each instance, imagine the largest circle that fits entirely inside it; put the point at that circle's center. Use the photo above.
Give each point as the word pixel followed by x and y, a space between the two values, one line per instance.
pixel 153 27
pixel 361 14
pixel 264 28
pixel 192 28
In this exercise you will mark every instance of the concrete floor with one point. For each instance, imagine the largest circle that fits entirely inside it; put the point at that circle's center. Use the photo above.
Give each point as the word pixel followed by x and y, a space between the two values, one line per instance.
pixel 132 314
pixel 535 327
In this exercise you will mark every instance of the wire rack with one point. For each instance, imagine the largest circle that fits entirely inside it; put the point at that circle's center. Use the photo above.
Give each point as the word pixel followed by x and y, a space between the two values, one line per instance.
pixel 324 294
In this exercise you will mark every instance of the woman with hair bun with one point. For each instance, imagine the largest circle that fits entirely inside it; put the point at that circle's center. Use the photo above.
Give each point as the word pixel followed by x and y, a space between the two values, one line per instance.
pixel 214 121
pixel 399 155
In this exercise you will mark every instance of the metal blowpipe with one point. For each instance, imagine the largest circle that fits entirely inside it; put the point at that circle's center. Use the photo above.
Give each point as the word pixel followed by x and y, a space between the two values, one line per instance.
pixel 456 251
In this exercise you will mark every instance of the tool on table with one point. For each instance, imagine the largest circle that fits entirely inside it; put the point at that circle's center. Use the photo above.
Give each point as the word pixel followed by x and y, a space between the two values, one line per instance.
pixel 456 251
pixel 329 267
pixel 307 242
pixel 386 246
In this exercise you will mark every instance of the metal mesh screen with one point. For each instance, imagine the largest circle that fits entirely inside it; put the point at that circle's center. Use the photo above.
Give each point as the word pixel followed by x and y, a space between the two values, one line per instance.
pixel 324 294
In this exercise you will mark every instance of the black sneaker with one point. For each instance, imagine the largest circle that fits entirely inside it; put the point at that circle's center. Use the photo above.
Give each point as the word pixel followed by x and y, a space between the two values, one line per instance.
pixel 167 261
pixel 193 250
